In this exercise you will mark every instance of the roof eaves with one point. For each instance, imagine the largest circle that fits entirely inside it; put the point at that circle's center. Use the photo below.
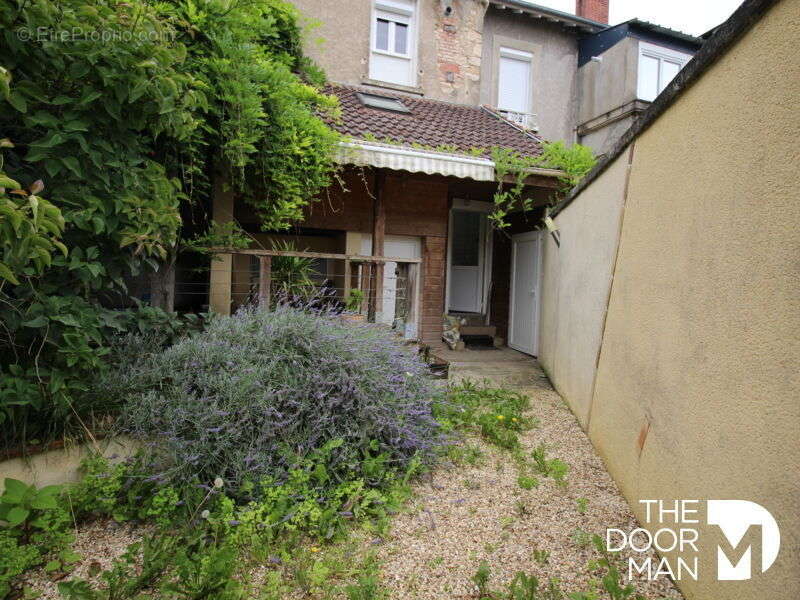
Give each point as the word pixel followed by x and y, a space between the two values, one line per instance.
pixel 739 23
pixel 666 31
pixel 557 16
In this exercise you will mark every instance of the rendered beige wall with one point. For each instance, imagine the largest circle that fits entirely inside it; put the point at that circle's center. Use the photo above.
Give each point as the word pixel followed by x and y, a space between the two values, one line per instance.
pixel 56 467
pixel 697 393
pixel 555 64
pixel 610 83
pixel 576 282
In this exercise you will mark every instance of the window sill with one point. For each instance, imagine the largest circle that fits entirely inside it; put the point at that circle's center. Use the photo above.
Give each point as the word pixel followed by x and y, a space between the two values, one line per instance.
pixel 388 85
pixel 391 54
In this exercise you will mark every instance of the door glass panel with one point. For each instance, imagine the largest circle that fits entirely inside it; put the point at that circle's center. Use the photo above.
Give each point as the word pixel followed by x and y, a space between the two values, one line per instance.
pixel 466 238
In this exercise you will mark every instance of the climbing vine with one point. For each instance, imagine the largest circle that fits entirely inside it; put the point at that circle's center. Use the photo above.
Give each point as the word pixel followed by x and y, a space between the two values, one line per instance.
pixel 574 162
pixel 127 116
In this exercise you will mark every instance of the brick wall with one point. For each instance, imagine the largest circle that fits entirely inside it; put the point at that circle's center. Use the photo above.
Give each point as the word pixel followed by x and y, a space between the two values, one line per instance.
pixel 416 205
pixel 596 10
pixel 459 48
pixel 434 257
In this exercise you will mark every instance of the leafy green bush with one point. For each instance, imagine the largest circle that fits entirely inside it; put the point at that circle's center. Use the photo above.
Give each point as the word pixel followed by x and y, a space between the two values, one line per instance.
pixel 129 123
pixel 15 559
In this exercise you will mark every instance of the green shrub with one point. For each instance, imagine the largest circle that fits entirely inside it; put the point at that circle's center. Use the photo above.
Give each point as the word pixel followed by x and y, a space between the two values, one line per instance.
pixel 15 559
pixel 267 395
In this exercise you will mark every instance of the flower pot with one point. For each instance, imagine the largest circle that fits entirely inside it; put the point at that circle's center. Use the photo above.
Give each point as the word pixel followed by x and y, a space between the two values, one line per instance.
pixel 354 317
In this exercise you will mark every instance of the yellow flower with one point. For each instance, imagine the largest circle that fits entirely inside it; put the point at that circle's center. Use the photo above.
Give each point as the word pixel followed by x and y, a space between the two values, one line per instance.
pixel 514 419
pixel 314 549
pixel 500 417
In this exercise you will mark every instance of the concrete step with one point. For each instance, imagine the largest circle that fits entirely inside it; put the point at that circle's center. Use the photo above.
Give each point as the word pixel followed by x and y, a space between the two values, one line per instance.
pixel 489 330
pixel 471 319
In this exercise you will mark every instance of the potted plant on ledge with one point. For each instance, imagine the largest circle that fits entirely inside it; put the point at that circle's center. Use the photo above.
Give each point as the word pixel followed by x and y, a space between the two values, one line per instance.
pixel 353 302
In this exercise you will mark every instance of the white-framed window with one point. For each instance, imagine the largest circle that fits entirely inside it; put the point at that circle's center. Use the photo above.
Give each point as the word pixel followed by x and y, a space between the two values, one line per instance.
pixel 514 85
pixel 657 67
pixel 393 42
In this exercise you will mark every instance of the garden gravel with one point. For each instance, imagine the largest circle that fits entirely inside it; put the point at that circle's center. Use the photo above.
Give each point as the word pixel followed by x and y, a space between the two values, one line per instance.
pixel 462 515
pixel 100 541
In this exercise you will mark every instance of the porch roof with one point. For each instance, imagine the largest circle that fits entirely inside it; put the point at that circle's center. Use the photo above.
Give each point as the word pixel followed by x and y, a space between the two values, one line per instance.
pixel 403 158
pixel 428 136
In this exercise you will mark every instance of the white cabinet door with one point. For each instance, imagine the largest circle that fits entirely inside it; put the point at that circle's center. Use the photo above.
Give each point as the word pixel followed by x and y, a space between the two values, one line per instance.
pixel 523 328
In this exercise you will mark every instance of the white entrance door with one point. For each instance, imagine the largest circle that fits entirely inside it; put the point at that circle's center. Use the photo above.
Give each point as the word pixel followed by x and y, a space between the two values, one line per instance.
pixel 523 328
pixel 467 256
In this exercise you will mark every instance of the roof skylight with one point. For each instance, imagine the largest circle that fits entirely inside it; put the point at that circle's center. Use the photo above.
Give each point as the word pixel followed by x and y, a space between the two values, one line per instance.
pixel 382 102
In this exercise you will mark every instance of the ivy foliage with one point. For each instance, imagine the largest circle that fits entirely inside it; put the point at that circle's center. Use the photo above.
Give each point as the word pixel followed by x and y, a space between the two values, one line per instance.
pixel 126 115
pixel 30 227
pixel 263 125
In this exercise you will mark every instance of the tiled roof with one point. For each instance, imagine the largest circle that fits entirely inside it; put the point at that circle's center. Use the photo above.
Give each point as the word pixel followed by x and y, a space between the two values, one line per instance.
pixel 430 123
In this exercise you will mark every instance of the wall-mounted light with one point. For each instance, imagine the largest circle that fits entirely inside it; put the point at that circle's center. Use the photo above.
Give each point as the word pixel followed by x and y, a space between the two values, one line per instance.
pixel 552 228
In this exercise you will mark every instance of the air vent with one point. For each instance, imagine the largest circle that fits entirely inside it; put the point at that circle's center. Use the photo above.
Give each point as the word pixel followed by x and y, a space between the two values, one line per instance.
pixel 382 102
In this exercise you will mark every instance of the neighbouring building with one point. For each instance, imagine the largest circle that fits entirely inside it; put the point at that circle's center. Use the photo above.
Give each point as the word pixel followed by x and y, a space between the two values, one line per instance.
pixel 671 308
pixel 621 70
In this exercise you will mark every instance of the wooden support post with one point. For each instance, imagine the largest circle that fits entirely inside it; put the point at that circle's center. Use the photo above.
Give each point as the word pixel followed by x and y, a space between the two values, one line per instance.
pixel 413 301
pixel 366 275
pixel 348 276
pixel 378 235
pixel 264 281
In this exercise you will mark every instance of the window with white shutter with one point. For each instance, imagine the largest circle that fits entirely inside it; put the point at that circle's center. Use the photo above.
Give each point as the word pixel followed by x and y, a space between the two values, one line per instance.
pixel 393 54
pixel 514 88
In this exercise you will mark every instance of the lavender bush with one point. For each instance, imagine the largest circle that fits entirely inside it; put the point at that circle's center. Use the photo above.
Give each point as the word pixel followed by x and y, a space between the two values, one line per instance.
pixel 257 391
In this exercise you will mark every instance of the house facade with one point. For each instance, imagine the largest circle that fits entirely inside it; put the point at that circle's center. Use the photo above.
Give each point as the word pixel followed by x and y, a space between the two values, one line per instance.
pixel 427 89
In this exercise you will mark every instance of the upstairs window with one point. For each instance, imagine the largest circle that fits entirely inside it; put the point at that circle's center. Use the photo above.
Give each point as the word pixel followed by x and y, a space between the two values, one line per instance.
pixel 393 42
pixel 657 67
pixel 514 87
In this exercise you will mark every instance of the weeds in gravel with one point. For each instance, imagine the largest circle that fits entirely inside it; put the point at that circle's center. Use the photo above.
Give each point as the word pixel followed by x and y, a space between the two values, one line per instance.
pixel 605 586
pixel 583 505
pixel 481 579
pixel 494 414
pixel 541 556
pixel 581 538
pixel 555 467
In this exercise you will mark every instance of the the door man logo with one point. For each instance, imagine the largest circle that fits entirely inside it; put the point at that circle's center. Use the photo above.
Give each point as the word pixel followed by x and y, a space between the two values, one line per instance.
pixel 736 518
pixel 748 531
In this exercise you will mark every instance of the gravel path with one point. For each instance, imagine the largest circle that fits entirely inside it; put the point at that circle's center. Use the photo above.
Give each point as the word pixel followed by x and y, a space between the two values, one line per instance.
pixel 465 514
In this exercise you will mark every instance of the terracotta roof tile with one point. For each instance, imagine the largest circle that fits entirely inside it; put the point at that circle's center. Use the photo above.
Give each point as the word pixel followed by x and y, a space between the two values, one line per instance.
pixel 431 123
